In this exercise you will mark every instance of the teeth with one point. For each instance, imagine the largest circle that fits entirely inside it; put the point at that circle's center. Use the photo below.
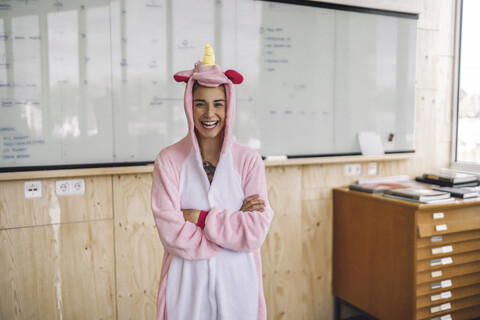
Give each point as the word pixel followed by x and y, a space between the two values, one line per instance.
pixel 209 124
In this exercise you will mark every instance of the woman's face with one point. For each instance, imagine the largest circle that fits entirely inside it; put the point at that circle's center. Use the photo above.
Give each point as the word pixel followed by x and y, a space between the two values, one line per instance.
pixel 209 110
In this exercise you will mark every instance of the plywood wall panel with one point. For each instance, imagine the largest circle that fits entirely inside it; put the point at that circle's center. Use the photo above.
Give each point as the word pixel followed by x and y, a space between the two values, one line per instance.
pixel 283 294
pixel 285 189
pixel 282 251
pixel 316 258
pixel 446 28
pixel 386 169
pixel 58 272
pixel 282 247
pixel 325 176
pixel 16 211
pixel 314 176
pixel 137 246
pixel 444 104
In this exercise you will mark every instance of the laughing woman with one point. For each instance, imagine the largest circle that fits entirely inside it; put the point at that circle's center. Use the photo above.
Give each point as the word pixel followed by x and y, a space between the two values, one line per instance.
pixel 209 201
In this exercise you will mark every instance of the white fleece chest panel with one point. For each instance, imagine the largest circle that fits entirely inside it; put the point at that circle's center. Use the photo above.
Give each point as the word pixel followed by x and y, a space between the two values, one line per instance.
pixel 226 286
pixel 225 191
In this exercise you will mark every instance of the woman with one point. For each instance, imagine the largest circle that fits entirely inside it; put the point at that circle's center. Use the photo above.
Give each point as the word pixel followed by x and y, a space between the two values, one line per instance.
pixel 209 200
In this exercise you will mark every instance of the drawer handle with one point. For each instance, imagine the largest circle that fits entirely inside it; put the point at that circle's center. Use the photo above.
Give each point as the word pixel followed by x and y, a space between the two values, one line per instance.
pixel 438 215
pixel 441 284
pixel 445 317
pixel 443 307
pixel 445 249
pixel 436 239
pixel 441 262
pixel 441 227
pixel 436 274
pixel 441 296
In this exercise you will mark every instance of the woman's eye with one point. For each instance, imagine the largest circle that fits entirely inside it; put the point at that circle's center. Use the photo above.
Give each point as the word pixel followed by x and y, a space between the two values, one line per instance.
pixel 218 105
pixel 200 104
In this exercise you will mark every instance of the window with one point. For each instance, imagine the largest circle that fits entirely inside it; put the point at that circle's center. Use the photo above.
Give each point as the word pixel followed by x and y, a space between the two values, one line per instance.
pixel 466 121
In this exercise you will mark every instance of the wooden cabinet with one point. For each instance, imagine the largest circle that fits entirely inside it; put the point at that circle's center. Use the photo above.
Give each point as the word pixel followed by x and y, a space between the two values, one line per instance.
pixel 402 260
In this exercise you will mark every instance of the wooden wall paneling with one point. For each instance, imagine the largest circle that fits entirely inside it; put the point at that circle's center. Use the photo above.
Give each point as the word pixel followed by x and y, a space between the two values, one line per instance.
pixel 62 271
pixel 16 211
pixel 443 110
pixel 446 27
pixel 425 108
pixel 89 275
pixel 427 59
pixel 430 13
pixel 314 182
pixel 282 249
pixel 95 204
pixel 425 138
pixel 317 257
pixel 395 168
pixel 324 176
pixel 138 248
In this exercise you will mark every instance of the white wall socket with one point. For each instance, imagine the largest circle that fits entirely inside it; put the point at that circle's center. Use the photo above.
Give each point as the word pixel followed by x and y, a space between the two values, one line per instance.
pixel 372 169
pixel 69 187
pixel 353 169
pixel 33 189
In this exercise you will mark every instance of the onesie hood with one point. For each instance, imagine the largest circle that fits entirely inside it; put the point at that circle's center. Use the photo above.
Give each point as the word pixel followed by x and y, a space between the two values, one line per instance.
pixel 208 74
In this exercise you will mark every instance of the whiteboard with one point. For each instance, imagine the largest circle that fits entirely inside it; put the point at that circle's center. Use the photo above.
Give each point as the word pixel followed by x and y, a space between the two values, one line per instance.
pixel 89 83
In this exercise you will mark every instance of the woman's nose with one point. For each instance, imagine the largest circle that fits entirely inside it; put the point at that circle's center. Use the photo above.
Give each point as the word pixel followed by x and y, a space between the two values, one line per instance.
pixel 210 110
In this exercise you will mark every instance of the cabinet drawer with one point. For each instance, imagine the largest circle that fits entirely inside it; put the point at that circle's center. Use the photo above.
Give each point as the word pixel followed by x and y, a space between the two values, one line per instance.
pixel 466 314
pixel 447 261
pixel 448 249
pixel 448 215
pixel 448 307
pixel 463 314
pixel 447 227
pixel 447 295
pixel 448 284
pixel 448 238
pixel 447 272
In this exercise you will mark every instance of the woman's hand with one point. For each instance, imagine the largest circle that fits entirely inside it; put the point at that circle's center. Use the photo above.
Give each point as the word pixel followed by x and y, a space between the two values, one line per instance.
pixel 253 203
pixel 191 215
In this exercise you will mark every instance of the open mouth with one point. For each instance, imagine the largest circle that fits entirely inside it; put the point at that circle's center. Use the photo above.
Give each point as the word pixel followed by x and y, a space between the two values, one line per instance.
pixel 209 124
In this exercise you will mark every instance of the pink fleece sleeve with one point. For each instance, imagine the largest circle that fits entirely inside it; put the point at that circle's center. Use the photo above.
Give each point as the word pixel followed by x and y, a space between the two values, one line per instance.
pixel 242 231
pixel 180 238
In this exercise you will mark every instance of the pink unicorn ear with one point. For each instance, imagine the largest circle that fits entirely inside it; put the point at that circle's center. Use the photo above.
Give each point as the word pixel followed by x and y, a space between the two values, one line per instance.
pixel 183 76
pixel 234 76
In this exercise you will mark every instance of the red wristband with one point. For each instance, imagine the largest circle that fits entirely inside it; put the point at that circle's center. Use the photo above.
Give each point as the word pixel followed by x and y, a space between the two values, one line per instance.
pixel 201 219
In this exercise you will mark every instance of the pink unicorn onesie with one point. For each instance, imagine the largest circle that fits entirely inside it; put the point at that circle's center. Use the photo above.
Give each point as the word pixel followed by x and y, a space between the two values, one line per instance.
pixel 213 270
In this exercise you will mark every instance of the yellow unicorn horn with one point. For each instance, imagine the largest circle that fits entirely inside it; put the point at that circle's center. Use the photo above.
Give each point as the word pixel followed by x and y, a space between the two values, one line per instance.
pixel 208 57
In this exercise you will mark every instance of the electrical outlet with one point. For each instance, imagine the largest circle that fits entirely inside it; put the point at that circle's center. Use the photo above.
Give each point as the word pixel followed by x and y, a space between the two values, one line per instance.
pixel 372 169
pixel 78 186
pixel 33 189
pixel 353 169
pixel 62 187
pixel 69 187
